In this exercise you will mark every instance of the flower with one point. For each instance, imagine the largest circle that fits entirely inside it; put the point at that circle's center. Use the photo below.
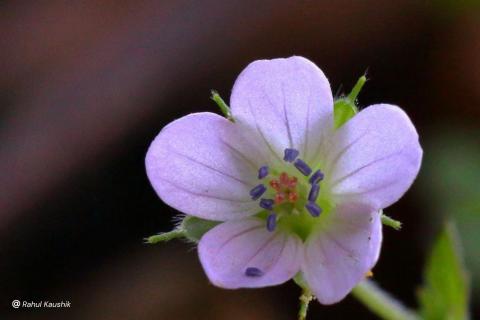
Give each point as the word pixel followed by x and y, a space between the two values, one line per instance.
pixel 293 193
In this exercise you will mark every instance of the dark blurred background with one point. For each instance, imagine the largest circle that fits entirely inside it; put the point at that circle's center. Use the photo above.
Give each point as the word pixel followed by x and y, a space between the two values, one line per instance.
pixel 86 85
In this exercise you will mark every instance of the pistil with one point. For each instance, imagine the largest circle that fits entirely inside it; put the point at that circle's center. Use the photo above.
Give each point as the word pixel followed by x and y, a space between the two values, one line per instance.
pixel 284 188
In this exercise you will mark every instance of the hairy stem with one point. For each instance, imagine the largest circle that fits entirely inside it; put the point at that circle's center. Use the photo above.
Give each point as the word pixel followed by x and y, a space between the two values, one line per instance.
pixel 381 303
pixel 305 299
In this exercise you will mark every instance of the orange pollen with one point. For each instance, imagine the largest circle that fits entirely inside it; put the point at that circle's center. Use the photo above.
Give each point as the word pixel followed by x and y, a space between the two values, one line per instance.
pixel 292 183
pixel 292 197
pixel 279 198
pixel 284 179
pixel 275 184
pixel 285 187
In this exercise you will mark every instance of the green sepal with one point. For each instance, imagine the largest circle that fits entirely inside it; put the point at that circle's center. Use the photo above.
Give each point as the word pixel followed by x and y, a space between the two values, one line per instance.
pixel 165 236
pixel 345 108
pixel 445 293
pixel 221 104
pixel 195 228
pixel 386 220
pixel 191 228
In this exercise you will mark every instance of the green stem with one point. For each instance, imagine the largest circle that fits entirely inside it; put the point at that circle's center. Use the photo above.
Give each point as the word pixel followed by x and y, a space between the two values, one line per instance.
pixel 381 303
pixel 165 236
pixel 305 299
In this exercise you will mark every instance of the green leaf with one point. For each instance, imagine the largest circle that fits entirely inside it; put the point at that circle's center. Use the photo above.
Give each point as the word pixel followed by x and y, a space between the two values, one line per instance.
pixel 446 289
pixel 195 228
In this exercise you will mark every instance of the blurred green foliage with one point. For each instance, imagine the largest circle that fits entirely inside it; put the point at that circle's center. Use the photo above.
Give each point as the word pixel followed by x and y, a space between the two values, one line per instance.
pixel 445 292
pixel 451 8
pixel 451 184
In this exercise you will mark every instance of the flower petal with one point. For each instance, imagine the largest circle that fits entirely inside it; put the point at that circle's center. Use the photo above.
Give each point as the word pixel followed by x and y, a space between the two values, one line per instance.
pixel 287 102
pixel 375 157
pixel 229 249
pixel 339 256
pixel 201 165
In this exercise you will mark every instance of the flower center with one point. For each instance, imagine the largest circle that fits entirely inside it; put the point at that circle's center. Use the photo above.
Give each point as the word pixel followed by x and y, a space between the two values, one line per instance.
pixel 286 194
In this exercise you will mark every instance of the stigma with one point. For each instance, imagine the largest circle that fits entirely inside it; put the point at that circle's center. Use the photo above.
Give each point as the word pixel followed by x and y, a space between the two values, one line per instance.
pixel 285 188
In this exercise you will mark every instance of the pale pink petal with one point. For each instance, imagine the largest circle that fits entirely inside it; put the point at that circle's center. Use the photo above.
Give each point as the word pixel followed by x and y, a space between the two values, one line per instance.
pixel 338 256
pixel 374 157
pixel 201 165
pixel 229 249
pixel 287 103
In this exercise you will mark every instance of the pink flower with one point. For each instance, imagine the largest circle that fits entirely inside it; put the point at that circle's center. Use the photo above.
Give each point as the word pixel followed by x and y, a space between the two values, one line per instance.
pixel 293 193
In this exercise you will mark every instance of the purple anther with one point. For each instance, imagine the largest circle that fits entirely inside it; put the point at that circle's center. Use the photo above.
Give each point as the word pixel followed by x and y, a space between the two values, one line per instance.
pixel 316 177
pixel 262 172
pixel 290 154
pixel 257 192
pixel 253 272
pixel 313 209
pixel 266 204
pixel 302 167
pixel 271 221
pixel 313 195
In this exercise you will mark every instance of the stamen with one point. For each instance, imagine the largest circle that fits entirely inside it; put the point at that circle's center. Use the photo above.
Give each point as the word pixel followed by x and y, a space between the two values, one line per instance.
pixel 313 209
pixel 266 204
pixel 313 195
pixel 271 221
pixel 316 177
pixel 302 167
pixel 262 172
pixel 253 272
pixel 257 191
pixel 290 154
